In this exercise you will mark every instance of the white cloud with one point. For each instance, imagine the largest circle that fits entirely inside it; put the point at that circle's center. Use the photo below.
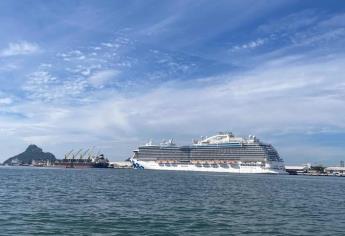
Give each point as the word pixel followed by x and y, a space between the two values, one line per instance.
pixel 109 45
pixel 100 78
pixel 42 85
pixel 282 96
pixel 306 28
pixel 273 99
pixel 20 48
pixel 250 45
pixel 307 38
pixel 73 55
pixel 5 101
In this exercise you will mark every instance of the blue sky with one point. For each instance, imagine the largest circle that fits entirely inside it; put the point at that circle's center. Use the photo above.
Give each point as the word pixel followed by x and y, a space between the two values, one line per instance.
pixel 113 74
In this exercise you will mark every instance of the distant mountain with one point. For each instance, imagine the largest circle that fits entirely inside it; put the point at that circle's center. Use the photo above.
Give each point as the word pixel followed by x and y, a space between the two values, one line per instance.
pixel 31 153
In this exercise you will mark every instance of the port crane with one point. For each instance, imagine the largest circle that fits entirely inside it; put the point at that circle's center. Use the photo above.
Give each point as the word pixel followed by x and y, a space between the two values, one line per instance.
pixel 84 153
pixel 68 154
pixel 76 154
pixel 90 156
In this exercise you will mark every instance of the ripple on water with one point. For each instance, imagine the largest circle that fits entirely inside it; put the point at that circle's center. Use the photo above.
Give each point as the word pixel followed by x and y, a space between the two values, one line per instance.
pixel 91 201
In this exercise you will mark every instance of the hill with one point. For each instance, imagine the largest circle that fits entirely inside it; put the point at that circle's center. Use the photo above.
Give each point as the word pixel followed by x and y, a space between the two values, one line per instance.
pixel 31 153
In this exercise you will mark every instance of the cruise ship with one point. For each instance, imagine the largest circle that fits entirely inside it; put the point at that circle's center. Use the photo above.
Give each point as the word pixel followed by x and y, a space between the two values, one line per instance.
pixel 223 152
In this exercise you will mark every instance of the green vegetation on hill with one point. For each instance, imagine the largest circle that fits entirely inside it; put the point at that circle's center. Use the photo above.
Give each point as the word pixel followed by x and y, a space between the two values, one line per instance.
pixel 31 153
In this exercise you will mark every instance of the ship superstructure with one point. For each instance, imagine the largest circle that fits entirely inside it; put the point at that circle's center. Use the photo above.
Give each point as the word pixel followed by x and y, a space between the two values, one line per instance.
pixel 223 152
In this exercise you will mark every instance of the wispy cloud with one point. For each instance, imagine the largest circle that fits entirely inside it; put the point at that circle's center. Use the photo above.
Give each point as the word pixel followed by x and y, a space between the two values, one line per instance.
pixel 250 45
pixel 42 85
pixel 290 23
pixel 100 78
pixel 307 29
pixel 20 48
pixel 274 98
pixel 169 71
pixel 5 101
pixel 160 26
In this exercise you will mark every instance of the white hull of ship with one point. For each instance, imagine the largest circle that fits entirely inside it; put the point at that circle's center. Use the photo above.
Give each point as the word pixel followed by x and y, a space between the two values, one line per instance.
pixel 268 168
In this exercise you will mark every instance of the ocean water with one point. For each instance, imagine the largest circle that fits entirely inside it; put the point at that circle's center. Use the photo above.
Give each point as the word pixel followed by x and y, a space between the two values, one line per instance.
pixel 42 201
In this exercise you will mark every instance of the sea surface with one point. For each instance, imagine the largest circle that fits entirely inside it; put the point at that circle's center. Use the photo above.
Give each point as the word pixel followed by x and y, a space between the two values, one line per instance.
pixel 45 201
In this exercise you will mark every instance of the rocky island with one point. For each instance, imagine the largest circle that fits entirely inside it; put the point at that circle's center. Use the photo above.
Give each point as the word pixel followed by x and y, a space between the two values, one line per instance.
pixel 33 154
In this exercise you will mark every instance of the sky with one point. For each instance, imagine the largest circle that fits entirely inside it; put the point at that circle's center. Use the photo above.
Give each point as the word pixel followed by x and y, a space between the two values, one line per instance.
pixel 114 74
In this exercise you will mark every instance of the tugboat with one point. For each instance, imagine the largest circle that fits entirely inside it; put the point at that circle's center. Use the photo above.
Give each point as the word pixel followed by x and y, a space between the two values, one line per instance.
pixel 100 162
